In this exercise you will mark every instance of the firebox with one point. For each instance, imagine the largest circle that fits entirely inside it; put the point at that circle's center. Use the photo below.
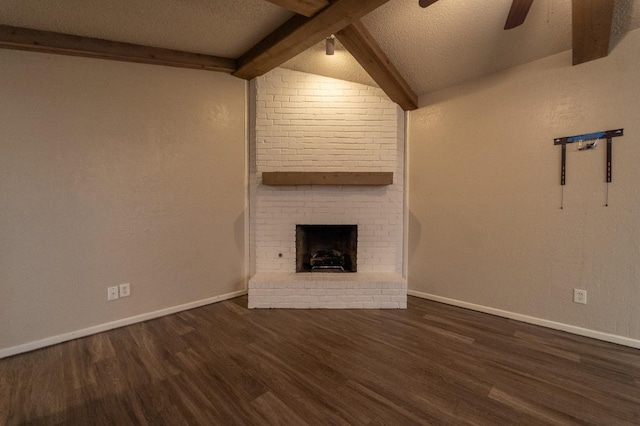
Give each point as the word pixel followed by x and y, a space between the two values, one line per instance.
pixel 326 248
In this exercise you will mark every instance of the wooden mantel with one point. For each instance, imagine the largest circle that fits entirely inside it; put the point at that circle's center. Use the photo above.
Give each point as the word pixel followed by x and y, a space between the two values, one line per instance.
pixel 327 178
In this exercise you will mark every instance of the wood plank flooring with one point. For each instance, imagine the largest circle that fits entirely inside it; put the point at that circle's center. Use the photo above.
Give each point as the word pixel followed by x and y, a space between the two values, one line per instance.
pixel 224 364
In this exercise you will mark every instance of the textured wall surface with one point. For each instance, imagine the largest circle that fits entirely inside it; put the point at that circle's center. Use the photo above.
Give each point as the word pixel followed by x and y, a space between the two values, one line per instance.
pixel 115 173
pixel 305 122
pixel 484 193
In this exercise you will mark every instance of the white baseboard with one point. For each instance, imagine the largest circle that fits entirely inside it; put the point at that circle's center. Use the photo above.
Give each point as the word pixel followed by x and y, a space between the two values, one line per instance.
pixel 49 341
pixel 613 338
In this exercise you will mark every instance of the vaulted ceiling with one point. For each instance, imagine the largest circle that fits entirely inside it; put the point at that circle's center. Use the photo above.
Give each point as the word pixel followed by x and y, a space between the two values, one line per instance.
pixel 405 49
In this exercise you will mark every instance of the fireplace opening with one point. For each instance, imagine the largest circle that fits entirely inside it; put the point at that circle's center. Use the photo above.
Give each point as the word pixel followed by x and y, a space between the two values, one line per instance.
pixel 326 248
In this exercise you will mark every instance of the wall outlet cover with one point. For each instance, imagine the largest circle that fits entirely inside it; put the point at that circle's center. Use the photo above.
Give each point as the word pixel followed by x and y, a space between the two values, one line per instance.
pixel 125 290
pixel 112 293
pixel 580 296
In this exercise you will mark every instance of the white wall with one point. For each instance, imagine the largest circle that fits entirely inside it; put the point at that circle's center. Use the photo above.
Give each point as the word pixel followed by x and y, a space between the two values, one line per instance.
pixel 306 122
pixel 110 173
pixel 484 194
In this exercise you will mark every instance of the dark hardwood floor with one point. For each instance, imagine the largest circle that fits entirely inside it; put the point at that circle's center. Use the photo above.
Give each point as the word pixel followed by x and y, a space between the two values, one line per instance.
pixel 224 364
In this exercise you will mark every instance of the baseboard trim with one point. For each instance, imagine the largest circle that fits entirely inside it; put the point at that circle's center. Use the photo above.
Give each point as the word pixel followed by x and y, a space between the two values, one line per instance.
pixel 612 338
pixel 50 341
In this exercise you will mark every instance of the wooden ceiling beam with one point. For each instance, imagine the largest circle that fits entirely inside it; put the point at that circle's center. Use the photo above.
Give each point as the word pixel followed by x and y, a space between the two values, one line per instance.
pixel 591 28
pixel 299 34
pixel 362 46
pixel 306 8
pixel 65 44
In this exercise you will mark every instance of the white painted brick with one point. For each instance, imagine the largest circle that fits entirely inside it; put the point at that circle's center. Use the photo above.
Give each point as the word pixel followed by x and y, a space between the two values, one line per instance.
pixel 261 292
pixel 300 128
pixel 299 305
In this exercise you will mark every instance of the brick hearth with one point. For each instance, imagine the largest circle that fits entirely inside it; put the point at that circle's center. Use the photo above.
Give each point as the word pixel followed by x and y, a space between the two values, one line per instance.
pixel 328 291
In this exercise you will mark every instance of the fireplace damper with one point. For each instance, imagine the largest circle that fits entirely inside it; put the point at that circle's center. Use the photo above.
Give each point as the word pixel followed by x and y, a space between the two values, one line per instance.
pixel 326 248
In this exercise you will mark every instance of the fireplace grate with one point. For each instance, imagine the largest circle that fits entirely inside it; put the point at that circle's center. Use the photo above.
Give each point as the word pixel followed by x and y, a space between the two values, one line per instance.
pixel 326 248
pixel 327 259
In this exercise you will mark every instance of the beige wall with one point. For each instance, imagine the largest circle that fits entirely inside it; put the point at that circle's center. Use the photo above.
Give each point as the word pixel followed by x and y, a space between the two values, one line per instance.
pixel 485 225
pixel 115 173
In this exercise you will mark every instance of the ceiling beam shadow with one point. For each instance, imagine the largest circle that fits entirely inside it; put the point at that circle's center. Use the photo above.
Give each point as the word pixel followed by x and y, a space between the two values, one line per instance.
pixel 362 46
pixel 299 34
pixel 306 8
pixel 591 29
pixel 65 44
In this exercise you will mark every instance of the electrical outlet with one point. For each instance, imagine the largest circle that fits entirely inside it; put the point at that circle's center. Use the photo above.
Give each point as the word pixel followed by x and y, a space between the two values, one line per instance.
pixel 112 293
pixel 125 290
pixel 580 296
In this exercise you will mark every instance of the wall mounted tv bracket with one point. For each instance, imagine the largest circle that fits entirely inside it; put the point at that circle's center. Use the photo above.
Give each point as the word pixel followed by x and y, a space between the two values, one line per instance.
pixel 607 134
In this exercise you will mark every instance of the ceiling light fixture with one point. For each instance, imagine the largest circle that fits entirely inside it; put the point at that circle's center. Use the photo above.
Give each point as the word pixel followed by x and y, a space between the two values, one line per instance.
pixel 330 45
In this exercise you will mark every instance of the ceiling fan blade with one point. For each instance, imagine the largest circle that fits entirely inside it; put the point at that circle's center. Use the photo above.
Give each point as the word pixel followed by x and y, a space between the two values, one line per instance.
pixel 517 13
pixel 425 3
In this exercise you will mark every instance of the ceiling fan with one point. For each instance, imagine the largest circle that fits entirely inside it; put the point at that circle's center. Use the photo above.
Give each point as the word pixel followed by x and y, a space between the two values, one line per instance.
pixel 517 13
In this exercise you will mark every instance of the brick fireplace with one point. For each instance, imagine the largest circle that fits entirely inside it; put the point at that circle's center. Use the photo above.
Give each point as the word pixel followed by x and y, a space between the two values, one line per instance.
pixel 308 123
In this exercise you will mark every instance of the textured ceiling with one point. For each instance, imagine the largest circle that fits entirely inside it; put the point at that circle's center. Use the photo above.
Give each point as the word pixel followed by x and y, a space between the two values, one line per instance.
pixel 447 43
pixel 341 65
pixel 226 28
pixel 454 41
